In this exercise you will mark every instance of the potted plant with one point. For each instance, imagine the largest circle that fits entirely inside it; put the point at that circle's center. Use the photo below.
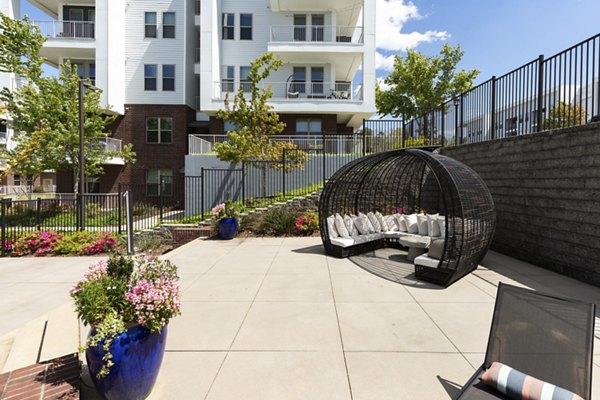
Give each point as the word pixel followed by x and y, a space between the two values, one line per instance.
pixel 226 215
pixel 128 302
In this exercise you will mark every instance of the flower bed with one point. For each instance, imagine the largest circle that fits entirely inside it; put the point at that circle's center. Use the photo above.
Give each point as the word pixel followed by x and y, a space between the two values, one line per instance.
pixel 44 243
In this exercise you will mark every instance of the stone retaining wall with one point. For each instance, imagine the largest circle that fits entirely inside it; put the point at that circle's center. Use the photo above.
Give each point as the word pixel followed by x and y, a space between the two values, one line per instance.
pixel 546 188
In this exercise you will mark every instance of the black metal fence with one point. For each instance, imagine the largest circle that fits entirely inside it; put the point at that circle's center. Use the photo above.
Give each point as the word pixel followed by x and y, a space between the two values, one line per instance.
pixel 546 93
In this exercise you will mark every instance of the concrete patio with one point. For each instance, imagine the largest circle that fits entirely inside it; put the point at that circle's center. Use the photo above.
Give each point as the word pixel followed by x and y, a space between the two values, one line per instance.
pixel 277 319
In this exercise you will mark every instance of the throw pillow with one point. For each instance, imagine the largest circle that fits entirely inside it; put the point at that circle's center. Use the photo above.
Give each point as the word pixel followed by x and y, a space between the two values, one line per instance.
pixel 436 249
pixel 519 386
pixel 433 226
pixel 382 222
pixel 333 233
pixel 422 225
pixel 362 224
pixel 412 225
pixel 349 222
pixel 374 222
pixel 401 223
pixel 442 223
pixel 391 223
pixel 341 226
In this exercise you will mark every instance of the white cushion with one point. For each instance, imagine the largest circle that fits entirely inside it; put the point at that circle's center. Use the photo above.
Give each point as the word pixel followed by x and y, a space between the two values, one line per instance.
pixel 421 225
pixel 396 234
pixel 340 226
pixel 349 222
pixel 401 223
pixel 432 225
pixel 333 233
pixel 391 223
pixel 374 222
pixel 362 224
pixel 382 222
pixel 411 222
pixel 441 220
pixel 426 261
pixel 342 242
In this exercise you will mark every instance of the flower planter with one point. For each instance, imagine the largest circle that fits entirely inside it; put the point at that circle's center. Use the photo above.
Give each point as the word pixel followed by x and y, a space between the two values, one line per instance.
pixel 228 228
pixel 137 355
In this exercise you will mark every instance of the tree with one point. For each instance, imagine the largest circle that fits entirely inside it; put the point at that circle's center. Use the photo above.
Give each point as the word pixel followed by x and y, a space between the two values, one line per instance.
pixel 256 123
pixel 44 112
pixel 420 83
pixel 563 115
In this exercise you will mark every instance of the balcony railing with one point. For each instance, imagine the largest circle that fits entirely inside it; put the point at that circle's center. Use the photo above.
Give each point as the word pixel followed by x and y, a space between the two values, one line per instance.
pixel 66 29
pixel 317 34
pixel 297 91
pixel 204 144
pixel 110 144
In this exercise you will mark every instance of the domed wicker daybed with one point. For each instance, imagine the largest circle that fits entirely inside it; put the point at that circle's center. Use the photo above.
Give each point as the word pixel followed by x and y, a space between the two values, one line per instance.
pixel 452 203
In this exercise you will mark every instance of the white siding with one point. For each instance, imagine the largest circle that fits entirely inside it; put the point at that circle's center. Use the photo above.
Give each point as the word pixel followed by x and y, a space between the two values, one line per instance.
pixel 159 51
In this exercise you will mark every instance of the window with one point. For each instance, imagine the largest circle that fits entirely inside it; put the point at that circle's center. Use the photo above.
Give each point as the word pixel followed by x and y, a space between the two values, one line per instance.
pixel 92 73
pixel 159 182
pixel 318 22
pixel 300 27
pixel 308 126
pixel 92 184
pixel 316 79
pixel 17 180
pixel 29 180
pixel 2 131
pixel 227 83
pixel 86 70
pixel 150 25
pixel 229 126
pixel 168 78
pixel 169 25
pixel 244 81
pixel 245 26
pixel 149 76
pixel 159 130
pixel 299 80
pixel 228 26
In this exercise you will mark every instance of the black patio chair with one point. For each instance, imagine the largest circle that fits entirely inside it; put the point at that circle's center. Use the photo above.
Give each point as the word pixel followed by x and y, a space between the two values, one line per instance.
pixel 547 337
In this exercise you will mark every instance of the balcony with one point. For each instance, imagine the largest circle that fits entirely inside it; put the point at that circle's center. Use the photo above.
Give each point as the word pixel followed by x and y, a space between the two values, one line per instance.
pixel 339 92
pixel 311 5
pixel 111 144
pixel 316 34
pixel 66 29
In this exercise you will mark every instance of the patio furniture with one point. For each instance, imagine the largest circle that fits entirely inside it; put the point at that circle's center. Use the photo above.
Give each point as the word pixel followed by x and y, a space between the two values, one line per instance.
pixel 408 181
pixel 544 336
pixel 416 246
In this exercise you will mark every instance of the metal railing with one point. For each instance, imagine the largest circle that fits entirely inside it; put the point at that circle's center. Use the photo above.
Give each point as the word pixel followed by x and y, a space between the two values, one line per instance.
pixel 546 93
pixel 66 29
pixel 315 34
pixel 296 90
pixel 331 143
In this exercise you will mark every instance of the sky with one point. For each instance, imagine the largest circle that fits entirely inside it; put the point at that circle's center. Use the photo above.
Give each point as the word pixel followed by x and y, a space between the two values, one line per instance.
pixel 496 36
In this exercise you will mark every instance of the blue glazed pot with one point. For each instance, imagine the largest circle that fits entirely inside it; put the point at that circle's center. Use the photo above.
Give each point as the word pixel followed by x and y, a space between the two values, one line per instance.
pixel 137 355
pixel 228 228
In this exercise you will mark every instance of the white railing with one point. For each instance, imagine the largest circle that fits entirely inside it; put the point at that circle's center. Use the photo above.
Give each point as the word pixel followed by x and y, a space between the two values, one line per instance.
pixel 111 144
pixel 66 29
pixel 297 91
pixel 203 144
pixel 317 33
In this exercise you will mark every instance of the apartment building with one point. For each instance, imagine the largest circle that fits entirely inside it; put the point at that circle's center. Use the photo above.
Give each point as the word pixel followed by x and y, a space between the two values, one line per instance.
pixel 165 67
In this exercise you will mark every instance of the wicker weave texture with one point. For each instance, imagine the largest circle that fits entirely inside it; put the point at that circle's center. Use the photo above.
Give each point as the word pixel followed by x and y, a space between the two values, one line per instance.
pixel 408 181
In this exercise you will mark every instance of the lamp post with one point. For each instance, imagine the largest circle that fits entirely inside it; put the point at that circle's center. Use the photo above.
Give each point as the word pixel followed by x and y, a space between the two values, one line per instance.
pixel 80 188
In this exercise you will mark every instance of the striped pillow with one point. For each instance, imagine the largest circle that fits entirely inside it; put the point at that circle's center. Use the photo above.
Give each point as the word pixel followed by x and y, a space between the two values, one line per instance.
pixel 516 385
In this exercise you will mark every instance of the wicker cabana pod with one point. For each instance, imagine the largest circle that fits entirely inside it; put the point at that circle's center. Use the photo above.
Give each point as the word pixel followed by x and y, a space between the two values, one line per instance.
pixel 412 180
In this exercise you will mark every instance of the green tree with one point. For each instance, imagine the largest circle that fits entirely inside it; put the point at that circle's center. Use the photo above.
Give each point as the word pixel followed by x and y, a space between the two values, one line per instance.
pixel 44 112
pixel 563 115
pixel 256 123
pixel 420 83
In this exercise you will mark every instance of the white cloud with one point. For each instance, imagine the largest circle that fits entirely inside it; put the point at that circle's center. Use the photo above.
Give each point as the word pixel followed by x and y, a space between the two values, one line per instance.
pixel 382 85
pixel 392 15
pixel 384 62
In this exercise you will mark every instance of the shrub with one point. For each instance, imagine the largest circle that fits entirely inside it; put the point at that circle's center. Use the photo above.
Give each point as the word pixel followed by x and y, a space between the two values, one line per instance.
pixel 154 243
pixel 278 221
pixel 307 223
pixel 92 209
pixel 87 244
pixel 36 243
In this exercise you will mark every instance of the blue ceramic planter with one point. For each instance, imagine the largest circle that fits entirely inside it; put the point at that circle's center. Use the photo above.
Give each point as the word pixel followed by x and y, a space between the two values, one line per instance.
pixel 137 354
pixel 228 228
